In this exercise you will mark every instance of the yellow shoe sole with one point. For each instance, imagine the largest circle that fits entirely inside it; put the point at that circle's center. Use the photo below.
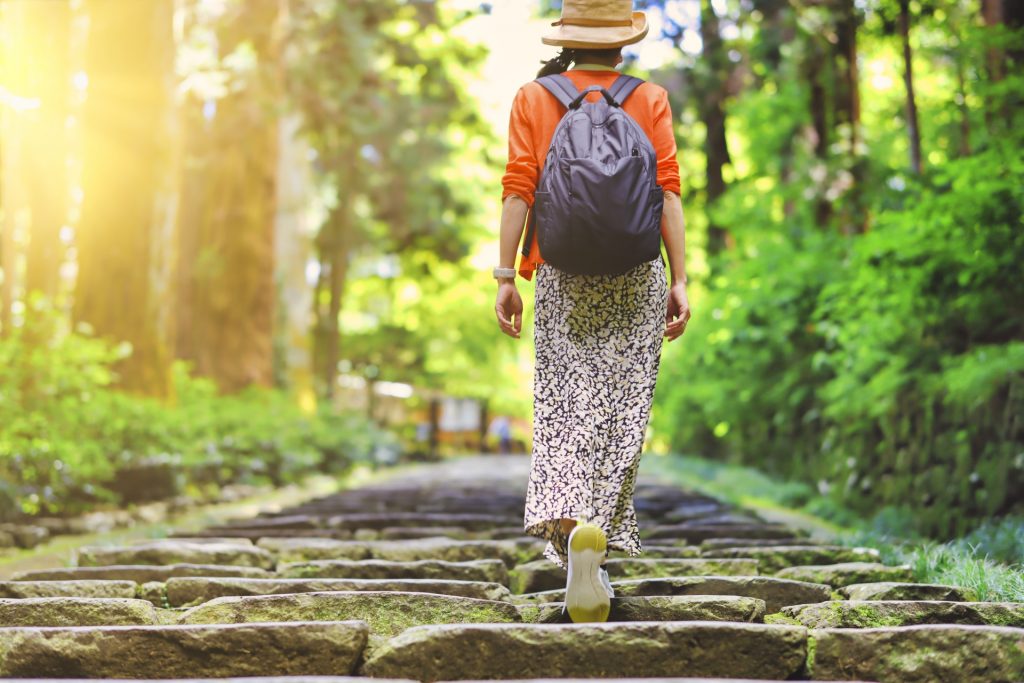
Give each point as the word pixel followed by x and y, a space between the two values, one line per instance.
pixel 586 599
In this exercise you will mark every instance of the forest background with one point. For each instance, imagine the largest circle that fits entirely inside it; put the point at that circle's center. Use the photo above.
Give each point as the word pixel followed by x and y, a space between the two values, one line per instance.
pixel 219 219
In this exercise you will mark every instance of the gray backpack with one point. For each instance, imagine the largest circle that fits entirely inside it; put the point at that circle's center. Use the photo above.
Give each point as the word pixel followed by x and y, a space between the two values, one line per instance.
pixel 597 207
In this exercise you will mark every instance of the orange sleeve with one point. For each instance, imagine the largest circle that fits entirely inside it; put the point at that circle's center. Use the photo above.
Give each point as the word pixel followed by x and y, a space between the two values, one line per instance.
pixel 521 172
pixel 664 142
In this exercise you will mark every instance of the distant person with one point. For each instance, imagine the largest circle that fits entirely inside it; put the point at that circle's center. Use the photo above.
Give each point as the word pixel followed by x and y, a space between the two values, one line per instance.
pixel 501 429
pixel 598 216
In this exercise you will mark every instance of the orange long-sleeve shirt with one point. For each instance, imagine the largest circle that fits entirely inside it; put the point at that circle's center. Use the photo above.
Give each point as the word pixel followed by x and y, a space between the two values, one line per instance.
pixel 535 115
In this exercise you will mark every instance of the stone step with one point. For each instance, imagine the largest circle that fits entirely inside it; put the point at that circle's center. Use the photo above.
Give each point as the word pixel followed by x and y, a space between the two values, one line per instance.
pixel 139 573
pixel 574 680
pixel 678 552
pixel 846 573
pixel 64 611
pixel 697 533
pixel 501 533
pixel 185 538
pixel 775 592
pixel 602 650
pixel 183 651
pixel 271 679
pixel 892 590
pixel 694 510
pixel 772 559
pixel 255 533
pixel 874 613
pixel 175 552
pixel 67 589
pixel 715 543
pixel 729 518
pixel 919 654
pixel 418 519
pixel 543 575
pixel 360 679
pixel 661 608
pixel 492 571
pixel 401 533
pixel 291 521
pixel 192 591
pixel 387 613
pixel 434 548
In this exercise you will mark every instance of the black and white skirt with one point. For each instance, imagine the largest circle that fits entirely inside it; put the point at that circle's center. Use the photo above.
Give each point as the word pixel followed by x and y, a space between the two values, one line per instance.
pixel 598 344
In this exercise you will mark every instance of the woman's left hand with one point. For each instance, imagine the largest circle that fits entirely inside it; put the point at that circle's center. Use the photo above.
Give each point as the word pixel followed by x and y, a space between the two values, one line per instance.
pixel 678 313
pixel 509 309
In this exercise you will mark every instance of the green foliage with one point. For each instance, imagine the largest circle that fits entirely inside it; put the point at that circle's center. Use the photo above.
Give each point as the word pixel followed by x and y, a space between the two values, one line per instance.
pixel 922 334
pixel 65 434
pixel 883 368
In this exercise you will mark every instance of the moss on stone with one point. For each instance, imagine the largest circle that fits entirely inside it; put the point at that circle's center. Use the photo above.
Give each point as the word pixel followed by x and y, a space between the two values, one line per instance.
pixel 780 618
pixel 388 613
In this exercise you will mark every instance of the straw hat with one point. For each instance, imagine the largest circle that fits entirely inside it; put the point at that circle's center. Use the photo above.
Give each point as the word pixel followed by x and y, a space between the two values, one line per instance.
pixel 597 24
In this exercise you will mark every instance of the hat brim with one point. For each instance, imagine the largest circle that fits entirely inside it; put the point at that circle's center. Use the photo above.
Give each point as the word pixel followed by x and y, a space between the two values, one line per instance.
pixel 598 37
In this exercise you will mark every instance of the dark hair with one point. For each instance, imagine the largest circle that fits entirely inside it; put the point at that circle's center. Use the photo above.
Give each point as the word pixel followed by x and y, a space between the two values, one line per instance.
pixel 567 55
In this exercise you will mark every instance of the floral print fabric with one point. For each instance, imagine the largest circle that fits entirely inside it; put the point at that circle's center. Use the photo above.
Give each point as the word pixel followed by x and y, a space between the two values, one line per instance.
pixel 598 344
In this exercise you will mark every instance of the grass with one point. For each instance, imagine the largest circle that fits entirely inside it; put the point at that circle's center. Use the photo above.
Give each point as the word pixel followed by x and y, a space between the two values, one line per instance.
pixel 986 562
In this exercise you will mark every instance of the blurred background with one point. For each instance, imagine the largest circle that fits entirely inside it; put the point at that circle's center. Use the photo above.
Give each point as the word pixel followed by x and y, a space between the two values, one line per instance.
pixel 243 241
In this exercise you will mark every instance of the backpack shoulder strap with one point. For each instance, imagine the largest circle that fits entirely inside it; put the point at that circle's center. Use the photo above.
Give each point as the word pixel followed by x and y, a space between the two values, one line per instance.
pixel 623 87
pixel 561 87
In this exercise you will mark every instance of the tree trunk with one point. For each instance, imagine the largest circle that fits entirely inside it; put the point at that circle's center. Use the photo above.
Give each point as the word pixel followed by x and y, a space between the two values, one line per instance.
pixel 333 244
pixel 965 112
pixel 293 249
pixel 15 79
pixel 226 277
pixel 913 132
pixel 485 420
pixel 818 105
pixel 847 113
pixel 1009 14
pixel 48 27
pixel 992 13
pixel 712 94
pixel 126 126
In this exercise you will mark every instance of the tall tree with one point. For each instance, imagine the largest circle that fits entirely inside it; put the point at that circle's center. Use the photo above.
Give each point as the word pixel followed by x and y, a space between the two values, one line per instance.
pixel 48 27
pixel 225 276
pixel 998 15
pixel 380 86
pixel 913 130
pixel 847 114
pixel 129 60
pixel 712 91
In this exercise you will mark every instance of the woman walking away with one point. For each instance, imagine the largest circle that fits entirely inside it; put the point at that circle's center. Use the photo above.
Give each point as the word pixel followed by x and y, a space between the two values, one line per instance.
pixel 592 162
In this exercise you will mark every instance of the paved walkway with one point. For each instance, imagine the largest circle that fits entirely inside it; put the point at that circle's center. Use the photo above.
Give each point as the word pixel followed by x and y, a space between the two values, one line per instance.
pixel 427 576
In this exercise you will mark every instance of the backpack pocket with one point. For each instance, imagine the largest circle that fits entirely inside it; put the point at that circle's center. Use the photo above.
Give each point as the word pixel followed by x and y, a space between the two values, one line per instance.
pixel 614 214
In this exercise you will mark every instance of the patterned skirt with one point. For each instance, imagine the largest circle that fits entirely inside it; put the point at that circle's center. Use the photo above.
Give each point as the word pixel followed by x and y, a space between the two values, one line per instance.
pixel 598 344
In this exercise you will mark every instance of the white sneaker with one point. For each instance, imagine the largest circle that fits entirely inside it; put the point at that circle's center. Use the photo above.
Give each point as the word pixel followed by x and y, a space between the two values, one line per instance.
pixel 587 594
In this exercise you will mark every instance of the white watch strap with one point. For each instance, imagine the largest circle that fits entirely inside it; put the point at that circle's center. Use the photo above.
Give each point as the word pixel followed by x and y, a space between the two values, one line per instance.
pixel 504 272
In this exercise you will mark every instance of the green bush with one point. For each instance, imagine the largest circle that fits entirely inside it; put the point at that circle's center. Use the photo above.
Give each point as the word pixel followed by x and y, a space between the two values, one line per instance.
pixel 924 338
pixel 885 369
pixel 66 433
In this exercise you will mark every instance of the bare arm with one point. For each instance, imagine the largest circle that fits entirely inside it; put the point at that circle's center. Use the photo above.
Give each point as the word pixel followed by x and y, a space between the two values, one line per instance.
pixel 673 234
pixel 509 305
pixel 513 218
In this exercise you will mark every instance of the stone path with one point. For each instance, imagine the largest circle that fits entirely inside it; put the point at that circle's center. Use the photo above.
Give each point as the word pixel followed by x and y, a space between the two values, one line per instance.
pixel 428 577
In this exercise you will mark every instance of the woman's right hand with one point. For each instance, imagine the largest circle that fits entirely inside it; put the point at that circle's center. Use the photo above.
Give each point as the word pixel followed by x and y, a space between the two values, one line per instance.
pixel 678 311
pixel 509 308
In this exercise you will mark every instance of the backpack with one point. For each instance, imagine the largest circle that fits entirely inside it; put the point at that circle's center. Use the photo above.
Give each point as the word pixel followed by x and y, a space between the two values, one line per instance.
pixel 597 207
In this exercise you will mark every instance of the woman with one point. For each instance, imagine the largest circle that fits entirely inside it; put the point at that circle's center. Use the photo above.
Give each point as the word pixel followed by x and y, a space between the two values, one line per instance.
pixel 598 338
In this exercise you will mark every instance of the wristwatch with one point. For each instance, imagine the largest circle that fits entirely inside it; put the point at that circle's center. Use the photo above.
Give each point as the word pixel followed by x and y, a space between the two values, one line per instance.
pixel 500 273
